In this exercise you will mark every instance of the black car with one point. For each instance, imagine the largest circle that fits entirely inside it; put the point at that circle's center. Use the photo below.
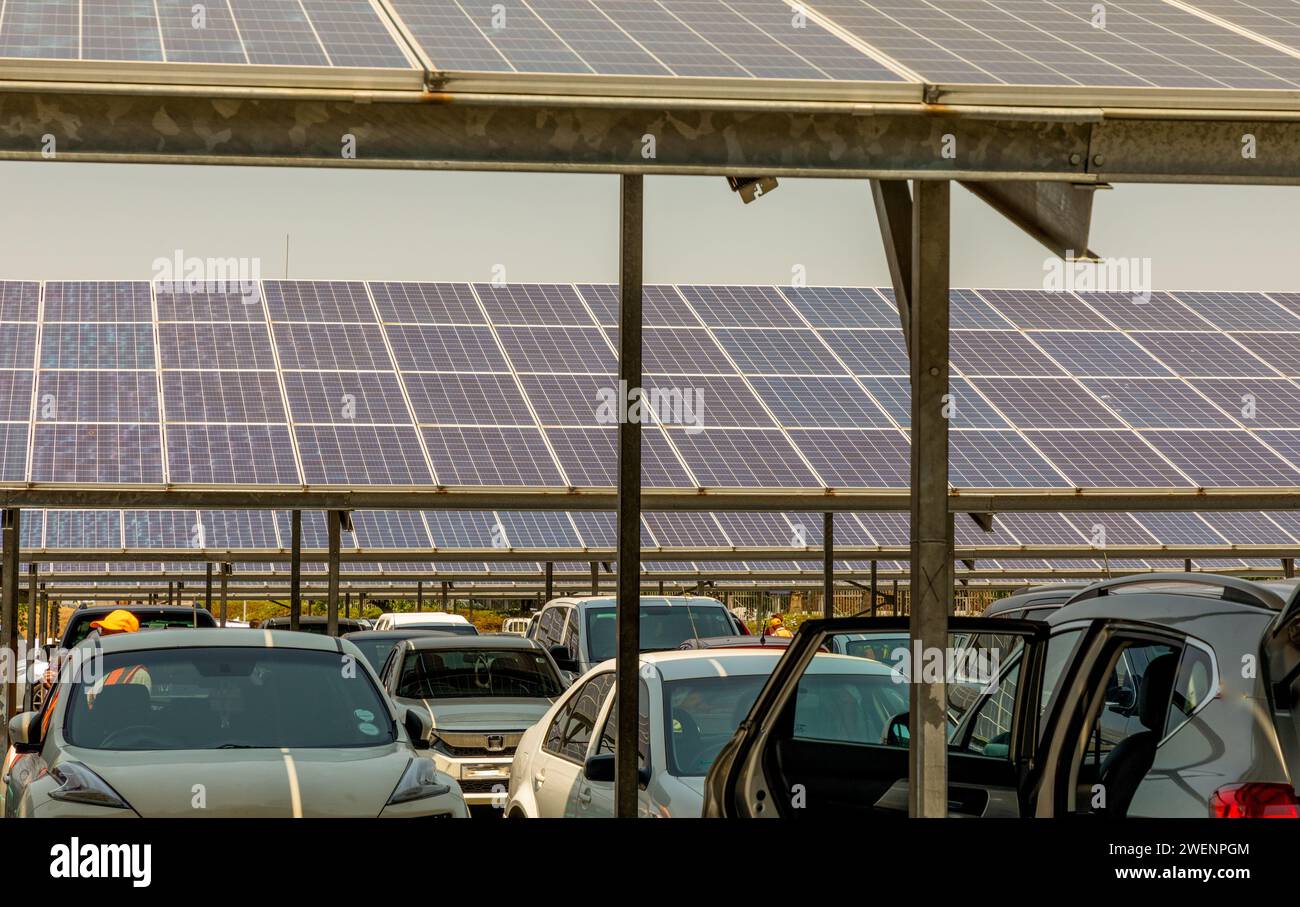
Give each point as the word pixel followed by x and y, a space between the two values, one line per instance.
pixel 319 625
pixel 153 617
pixel 376 644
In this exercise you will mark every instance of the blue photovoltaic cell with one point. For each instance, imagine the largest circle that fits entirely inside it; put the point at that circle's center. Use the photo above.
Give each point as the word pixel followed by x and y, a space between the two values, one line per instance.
pixel 589 457
pixel 1043 310
pixel 564 349
pixel 1096 354
pixel 857 458
pixel 162 529
pixel 843 307
pixel 15 395
pixel 114 453
pixel 599 529
pixel 869 352
pixel 113 346
pixel 315 532
pixel 277 32
pixel 217 41
pixel 31 530
pixel 1174 528
pixel 1046 403
pixel 753 530
pixel 538 529
pixel 1281 351
pixel 457 399
pixel 1105 459
pixel 434 348
pixel 685 530
pixel 1239 311
pixel 331 346
pixel 679 47
pixel 968 310
pixel 1248 528
pixel 449 36
pixel 760 54
pixel 1041 528
pixel 741 306
pixel 1203 355
pixel 1285 442
pixel 317 301
pixel 661 306
pixel 966 532
pixel 491 456
pixel 1150 312
pixel 13 452
pixel 711 401
pixel 214 346
pixel 1255 402
pixel 19 300
pixel 887 529
pixel 595 39
pixel 119 30
pixel 361 455
pixel 1105 529
pixel 1223 458
pixel 550 304
pixel 1287 519
pixel 41 28
pixel 778 352
pixel 222 397
pixel 426 303
pixel 680 350
pixel 820 402
pixel 571 400
pixel 742 458
pixel 77 302
pixel 231 454
pixel 461 528
pixel 998 459
pixel 343 398
pixel 354 35
pixel 177 303
pixel 239 529
pixel 389 529
pixel 999 353
pixel 967 408
pixel 808 39
pixel 83 529
pixel 1158 403
pixel 97 396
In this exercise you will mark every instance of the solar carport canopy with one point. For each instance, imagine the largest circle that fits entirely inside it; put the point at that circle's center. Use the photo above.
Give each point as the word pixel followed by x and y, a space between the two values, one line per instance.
pixel 1186 53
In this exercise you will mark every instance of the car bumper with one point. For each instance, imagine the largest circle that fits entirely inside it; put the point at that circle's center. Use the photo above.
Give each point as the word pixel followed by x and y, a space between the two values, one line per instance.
pixel 483 780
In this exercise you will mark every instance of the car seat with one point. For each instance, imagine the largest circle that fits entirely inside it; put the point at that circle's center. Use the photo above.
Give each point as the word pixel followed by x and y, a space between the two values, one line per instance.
pixel 1127 764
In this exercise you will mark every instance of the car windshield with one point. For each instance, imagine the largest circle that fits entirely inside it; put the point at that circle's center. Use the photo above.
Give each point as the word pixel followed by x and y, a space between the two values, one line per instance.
pixel 148 621
pixel 700 716
pixel 662 627
pixel 226 698
pixel 467 673
pixel 375 650
pixel 457 629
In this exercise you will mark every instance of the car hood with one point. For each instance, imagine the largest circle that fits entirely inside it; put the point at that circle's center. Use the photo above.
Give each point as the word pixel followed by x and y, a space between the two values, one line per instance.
pixel 488 714
pixel 259 783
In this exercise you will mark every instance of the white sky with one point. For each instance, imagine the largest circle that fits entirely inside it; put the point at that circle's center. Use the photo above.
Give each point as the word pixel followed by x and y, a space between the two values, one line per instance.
pixel 86 221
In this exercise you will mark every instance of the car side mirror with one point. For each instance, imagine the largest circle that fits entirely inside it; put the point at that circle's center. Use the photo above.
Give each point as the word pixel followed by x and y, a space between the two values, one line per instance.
pixel 1122 698
pixel 568 678
pixel 899 732
pixel 25 732
pixel 418 727
pixel 564 659
pixel 600 767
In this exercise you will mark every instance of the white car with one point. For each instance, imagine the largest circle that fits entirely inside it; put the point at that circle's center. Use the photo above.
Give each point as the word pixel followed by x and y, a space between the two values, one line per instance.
pixel 691 703
pixel 515 626
pixel 429 620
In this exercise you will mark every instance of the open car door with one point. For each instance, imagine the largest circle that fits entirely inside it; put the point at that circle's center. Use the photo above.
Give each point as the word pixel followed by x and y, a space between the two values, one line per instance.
pixel 828 733
pixel 1281 659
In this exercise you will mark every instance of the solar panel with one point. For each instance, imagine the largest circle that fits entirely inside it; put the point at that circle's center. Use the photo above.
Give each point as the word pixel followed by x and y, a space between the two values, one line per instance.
pixel 345 455
pixel 461 399
pixel 533 303
pixel 869 352
pixel 1158 403
pixel 1285 442
pixel 436 348
pixel 104 454
pixel 661 306
pixel 711 401
pixel 231 454
pixel 239 529
pixel 843 307
pixel 680 350
pixel 111 346
pixel 353 35
pixel 97 396
pixel 998 459
pixel 755 307
pixel 491 456
pixel 966 532
pixel 1043 310
pixel 967 310
pixel 998 353
pixel 41 28
pixel 1041 528
pixel 814 402
pixel 316 301
pixel 538 529
pixel 15 395
pixel 72 529
pixel 1046 403
pixel 315 534
pixel 199 345
pixel 177 303
pixel 1174 528
pixel 1105 459
pixel 331 346
pixel 589 457
pixel 1255 402
pixel 567 400
pixel 886 529
pixel 19 300
pixel 967 409
pixel 426 303
pixel 1105 529
pixel 461 528
pixel 546 349
pixel 1223 458
pixel 1203 355
pixel 1093 354
pixel 1248 528
pixel 778 352
pixel 341 398
pixel 857 458
pixel 598 530
pixel 1281 351
pixel 163 529
pixel 1240 311
pixel 736 458
pixel 13 451
pixel 389 529
pixel 216 42
pixel 191 396
pixel 1150 312
pixel 753 530
pixel 685 530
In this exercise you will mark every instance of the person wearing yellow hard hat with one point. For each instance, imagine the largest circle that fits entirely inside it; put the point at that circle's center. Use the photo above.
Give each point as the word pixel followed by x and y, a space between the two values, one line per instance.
pixel 776 627
pixel 111 624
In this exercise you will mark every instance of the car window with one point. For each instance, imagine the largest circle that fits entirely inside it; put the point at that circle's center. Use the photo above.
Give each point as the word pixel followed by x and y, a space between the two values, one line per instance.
pixel 845 699
pixel 1059 650
pixel 609 736
pixel 663 627
pixel 570 732
pixel 571 638
pixel 988 732
pixel 1195 683
pixel 701 714
pixel 548 626
pixel 475 673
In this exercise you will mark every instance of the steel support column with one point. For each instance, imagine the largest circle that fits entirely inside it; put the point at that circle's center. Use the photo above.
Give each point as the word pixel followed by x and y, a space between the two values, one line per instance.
pixel 828 565
pixel 9 539
pixel 295 568
pixel 207 586
pixel 225 592
pixel 628 625
pixel 419 597
pixel 874 585
pixel 931 529
pixel 335 520
pixel 595 578
pixel 550 582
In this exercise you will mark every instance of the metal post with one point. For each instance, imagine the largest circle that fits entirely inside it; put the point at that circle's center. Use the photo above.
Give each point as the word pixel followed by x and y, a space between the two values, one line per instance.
pixel 628 620
pixel 347 604
pixel 9 540
pixel 828 565
pixel 171 593
pixel 550 581
pixel 419 596
pixel 444 597
pixel 43 622
pixel 931 529
pixel 873 588
pixel 225 592
pixel 295 568
pixel 335 519
pixel 595 578
pixel 1187 565
pixel 1288 567
pixel 207 587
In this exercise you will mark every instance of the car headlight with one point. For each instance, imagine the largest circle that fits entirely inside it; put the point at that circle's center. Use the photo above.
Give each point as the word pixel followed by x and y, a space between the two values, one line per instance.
pixel 420 780
pixel 78 784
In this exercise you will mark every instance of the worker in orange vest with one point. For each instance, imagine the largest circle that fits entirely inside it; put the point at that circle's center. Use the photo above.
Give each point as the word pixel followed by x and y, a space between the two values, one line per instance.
pixel 776 627
pixel 111 624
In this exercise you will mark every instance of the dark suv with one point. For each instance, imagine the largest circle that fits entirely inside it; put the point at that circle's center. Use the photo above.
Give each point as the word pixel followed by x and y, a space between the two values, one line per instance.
pixel 1156 695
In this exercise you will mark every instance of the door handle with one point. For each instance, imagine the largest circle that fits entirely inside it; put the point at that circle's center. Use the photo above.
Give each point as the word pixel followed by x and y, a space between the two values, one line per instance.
pixel 584 795
pixel 539 778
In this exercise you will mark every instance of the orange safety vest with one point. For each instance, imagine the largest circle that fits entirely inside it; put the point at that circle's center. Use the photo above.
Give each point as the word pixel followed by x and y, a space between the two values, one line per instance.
pixel 122 675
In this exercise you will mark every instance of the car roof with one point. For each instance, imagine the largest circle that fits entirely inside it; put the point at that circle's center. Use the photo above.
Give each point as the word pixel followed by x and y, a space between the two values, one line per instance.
pixel 306 619
pixel 398 634
pixel 213 637
pixel 101 610
pixel 454 641
pixel 685 664
pixel 670 600
pixel 1038 597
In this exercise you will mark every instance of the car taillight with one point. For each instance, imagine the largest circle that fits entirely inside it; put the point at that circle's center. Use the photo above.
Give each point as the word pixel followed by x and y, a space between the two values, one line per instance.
pixel 1255 800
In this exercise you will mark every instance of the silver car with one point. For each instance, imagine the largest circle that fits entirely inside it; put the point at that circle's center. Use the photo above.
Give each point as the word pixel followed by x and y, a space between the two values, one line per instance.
pixel 198 723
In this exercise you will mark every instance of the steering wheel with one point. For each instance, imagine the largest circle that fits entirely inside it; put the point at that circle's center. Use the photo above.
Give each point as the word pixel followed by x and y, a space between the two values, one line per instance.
pixel 143 734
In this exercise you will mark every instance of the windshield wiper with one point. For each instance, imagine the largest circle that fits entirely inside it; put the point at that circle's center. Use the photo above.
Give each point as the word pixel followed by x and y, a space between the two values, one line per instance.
pixel 239 746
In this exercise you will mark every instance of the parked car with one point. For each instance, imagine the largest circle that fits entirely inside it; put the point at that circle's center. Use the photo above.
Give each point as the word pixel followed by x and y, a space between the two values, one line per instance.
pixel 1035 603
pixel 480 694
pixel 376 644
pixel 433 620
pixel 223 723
pixel 1167 695
pixel 515 626
pixel 579 631
pixel 312 624
pixel 737 642
pixel 690 704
